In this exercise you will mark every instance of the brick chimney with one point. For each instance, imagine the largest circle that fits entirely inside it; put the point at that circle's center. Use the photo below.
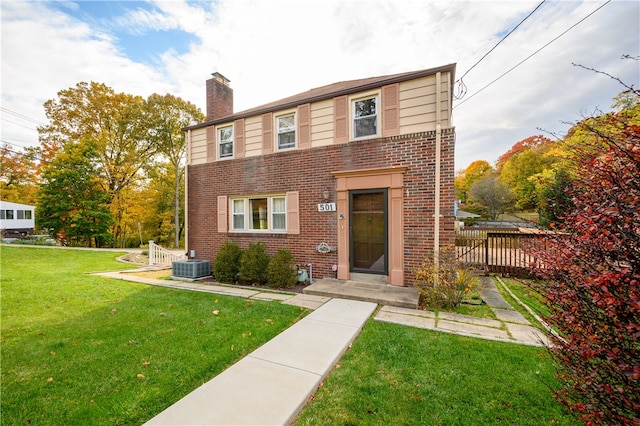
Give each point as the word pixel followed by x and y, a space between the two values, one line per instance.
pixel 219 97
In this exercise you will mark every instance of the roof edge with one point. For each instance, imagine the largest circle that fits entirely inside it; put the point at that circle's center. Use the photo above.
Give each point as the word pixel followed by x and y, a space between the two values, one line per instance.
pixel 275 106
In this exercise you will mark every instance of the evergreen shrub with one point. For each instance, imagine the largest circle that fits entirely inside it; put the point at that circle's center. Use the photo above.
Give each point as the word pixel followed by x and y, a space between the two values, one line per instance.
pixel 253 264
pixel 226 265
pixel 282 271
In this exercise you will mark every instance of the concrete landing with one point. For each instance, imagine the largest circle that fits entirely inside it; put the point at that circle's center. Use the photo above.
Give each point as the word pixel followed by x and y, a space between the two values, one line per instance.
pixel 270 385
pixel 382 294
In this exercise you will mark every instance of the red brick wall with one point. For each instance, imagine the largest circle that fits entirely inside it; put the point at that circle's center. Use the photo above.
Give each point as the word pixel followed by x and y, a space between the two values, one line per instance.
pixel 309 172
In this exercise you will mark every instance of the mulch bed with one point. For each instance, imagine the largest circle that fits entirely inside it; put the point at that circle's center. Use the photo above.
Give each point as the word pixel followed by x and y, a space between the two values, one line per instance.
pixel 299 288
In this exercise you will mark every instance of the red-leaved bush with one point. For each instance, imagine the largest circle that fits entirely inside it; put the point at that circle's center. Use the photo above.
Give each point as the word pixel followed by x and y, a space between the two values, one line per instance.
pixel 593 271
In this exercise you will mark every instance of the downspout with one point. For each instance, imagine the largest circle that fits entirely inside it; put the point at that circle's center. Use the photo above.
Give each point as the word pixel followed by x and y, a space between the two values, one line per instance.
pixel 186 193
pixel 436 213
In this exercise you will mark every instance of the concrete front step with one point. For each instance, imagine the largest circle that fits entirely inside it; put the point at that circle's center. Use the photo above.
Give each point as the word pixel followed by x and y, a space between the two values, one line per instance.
pixel 382 294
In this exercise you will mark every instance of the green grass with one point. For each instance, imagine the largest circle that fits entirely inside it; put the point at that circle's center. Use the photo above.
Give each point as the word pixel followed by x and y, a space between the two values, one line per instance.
pixel 83 349
pixel 527 292
pixel 407 376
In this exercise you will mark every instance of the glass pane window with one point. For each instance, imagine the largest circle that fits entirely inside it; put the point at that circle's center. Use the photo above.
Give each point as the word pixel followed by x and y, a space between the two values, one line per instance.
pixel 238 214
pixel 365 117
pixel 20 214
pixel 225 140
pixel 286 131
pixel 258 214
pixel 259 218
pixel 27 214
pixel 278 213
pixel 8 214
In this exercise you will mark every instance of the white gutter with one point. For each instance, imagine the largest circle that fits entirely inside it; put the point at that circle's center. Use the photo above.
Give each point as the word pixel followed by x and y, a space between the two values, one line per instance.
pixel 186 194
pixel 436 212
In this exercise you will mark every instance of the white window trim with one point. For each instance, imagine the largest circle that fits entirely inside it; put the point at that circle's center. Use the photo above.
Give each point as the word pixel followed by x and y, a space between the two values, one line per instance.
pixel 352 113
pixel 219 129
pixel 248 214
pixel 277 129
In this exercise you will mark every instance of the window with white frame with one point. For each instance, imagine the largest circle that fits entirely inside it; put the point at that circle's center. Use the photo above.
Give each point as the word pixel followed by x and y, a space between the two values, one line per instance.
pixel 6 214
pixel 286 125
pixel 365 117
pixel 225 141
pixel 259 213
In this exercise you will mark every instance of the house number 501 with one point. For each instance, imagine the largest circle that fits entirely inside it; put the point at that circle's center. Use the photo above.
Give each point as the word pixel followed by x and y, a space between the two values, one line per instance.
pixel 327 207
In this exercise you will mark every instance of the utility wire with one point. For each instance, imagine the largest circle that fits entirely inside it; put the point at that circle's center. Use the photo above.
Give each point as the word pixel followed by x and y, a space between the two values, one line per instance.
pixel 534 53
pixel 462 87
pixel 22 116
pixel 18 124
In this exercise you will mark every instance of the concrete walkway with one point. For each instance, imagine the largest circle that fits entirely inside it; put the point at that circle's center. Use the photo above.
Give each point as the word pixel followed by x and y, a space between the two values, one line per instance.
pixel 272 384
pixel 510 326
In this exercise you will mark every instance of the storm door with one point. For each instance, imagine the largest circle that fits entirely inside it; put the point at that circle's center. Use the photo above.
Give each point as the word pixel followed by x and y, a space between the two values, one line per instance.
pixel 368 231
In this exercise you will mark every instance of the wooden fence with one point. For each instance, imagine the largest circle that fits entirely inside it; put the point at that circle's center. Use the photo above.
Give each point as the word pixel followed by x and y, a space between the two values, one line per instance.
pixel 497 250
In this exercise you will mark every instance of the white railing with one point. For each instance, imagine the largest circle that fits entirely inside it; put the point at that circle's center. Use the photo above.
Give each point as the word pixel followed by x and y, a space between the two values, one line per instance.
pixel 161 256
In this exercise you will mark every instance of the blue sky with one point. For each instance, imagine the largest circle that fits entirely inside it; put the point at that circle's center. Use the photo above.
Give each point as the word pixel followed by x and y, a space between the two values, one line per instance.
pixel 271 49
pixel 135 26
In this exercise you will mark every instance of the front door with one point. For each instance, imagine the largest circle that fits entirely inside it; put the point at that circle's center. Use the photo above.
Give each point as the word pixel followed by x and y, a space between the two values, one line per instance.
pixel 368 231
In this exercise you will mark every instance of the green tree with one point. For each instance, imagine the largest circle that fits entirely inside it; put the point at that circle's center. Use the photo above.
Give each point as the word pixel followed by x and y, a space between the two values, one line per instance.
pixel 117 124
pixel 168 115
pixel 71 201
pixel 554 199
pixel 495 196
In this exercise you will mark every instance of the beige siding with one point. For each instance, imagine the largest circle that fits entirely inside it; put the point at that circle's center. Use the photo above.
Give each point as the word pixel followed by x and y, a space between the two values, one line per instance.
pixel 418 112
pixel 418 105
pixel 198 146
pixel 253 136
pixel 322 123
pixel 446 101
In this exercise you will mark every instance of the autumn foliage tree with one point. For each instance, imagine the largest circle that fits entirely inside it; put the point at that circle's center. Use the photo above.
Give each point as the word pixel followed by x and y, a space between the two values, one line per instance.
pixel 131 137
pixel 593 272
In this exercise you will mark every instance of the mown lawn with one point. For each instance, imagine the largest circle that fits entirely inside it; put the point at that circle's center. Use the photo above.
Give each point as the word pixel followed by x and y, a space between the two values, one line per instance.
pixel 398 375
pixel 83 349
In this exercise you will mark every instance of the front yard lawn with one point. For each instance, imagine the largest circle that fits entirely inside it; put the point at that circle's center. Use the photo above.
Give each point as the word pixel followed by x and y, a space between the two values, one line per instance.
pixel 407 376
pixel 83 349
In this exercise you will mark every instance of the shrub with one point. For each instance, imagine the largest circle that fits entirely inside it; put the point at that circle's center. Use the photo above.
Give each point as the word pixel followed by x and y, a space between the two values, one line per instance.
pixel 594 272
pixel 226 265
pixel 282 271
pixel 253 264
pixel 444 285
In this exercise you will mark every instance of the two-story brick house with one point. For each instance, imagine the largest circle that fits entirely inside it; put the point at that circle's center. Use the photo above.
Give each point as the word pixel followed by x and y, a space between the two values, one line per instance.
pixel 353 177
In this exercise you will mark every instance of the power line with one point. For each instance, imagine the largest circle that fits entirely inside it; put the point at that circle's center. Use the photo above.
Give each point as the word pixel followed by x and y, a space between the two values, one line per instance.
pixel 534 53
pixel 461 86
pixel 22 116
pixel 18 124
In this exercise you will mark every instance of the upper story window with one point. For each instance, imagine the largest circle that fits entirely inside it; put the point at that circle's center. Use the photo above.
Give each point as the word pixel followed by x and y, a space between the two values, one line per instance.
pixel 259 213
pixel 225 141
pixel 286 131
pixel 365 117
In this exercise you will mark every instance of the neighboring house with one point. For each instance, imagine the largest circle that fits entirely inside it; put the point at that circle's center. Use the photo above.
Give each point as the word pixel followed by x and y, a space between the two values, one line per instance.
pixel 353 177
pixel 16 220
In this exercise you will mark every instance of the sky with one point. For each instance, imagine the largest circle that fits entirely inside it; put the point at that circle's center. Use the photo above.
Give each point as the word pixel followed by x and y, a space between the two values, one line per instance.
pixel 271 49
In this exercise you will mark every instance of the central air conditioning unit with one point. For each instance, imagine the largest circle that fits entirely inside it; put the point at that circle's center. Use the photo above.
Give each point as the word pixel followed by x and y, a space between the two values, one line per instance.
pixel 190 268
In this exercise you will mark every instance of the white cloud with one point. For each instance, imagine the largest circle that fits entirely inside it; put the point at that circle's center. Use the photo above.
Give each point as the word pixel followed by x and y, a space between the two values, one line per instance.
pixel 271 49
